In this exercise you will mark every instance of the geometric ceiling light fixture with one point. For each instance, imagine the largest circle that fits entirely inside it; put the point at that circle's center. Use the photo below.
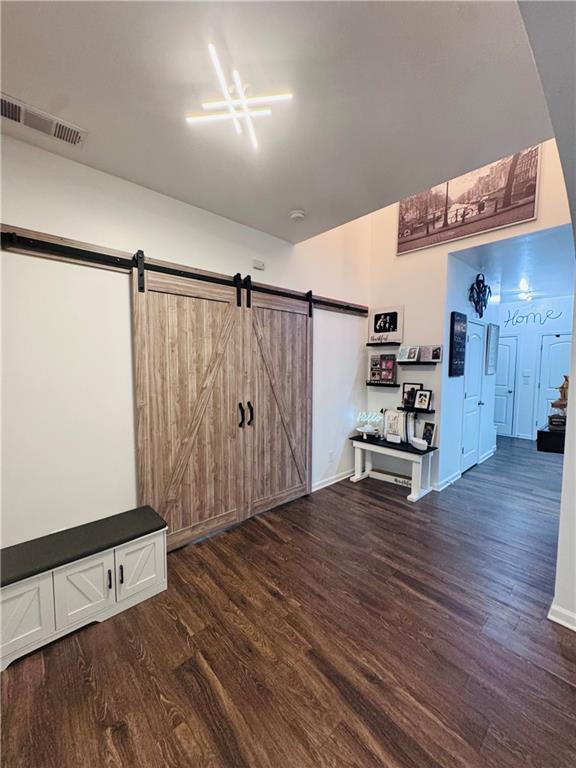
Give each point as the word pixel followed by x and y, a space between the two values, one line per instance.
pixel 239 109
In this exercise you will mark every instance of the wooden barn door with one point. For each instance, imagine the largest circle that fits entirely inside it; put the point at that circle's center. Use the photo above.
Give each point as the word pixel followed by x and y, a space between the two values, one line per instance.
pixel 279 388
pixel 189 381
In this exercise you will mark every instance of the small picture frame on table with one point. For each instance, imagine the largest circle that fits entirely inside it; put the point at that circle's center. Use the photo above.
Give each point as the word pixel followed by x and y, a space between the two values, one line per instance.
pixel 423 399
pixel 409 392
pixel 428 432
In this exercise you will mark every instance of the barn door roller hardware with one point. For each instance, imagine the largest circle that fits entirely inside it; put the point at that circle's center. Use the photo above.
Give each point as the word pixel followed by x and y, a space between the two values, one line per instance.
pixel 139 261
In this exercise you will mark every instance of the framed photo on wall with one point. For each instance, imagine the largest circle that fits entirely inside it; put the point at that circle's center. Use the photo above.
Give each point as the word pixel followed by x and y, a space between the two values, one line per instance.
pixel 408 354
pixel 458 331
pixel 423 399
pixel 497 195
pixel 409 393
pixel 386 326
pixel 431 354
pixel 492 341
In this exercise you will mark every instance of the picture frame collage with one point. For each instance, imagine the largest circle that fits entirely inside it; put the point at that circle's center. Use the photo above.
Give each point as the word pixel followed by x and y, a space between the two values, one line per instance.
pixel 386 328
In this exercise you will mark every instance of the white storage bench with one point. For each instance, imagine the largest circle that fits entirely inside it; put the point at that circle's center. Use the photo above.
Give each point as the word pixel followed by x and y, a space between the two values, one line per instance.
pixel 55 584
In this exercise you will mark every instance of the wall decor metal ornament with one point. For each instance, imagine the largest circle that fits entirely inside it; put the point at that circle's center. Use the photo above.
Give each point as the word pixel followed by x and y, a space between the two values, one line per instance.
pixel 479 294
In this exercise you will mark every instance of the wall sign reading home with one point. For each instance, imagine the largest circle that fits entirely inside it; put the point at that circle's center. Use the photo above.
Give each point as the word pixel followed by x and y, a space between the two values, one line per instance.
pixel 495 196
pixel 386 325
pixel 515 317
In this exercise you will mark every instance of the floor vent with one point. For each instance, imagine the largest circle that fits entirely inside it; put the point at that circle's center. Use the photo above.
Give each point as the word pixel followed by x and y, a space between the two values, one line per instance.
pixel 22 113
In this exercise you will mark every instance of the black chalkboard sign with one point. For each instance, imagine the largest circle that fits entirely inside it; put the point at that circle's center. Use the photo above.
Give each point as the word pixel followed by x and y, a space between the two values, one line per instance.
pixel 458 330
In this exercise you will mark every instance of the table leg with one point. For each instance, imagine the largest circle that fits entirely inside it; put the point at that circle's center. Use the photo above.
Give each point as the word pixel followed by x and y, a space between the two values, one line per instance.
pixel 416 490
pixel 367 463
pixel 357 465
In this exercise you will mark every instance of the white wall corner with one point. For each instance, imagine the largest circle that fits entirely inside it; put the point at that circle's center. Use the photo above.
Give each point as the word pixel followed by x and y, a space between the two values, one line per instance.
pixel 331 480
pixel 562 616
pixel 487 455
pixel 442 484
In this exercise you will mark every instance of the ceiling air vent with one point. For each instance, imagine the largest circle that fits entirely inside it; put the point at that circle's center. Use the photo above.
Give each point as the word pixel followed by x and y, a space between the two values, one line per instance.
pixel 22 113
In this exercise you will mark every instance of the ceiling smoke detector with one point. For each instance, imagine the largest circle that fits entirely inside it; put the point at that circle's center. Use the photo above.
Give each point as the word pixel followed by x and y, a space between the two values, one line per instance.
pixel 37 120
pixel 297 215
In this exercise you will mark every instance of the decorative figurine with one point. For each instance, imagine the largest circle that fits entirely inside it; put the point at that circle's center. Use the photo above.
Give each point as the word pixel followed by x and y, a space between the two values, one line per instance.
pixel 557 421
pixel 479 294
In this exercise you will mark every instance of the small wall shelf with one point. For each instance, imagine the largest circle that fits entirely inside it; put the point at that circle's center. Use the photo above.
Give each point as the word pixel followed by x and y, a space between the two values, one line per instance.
pixel 382 384
pixel 382 343
pixel 417 362
pixel 409 409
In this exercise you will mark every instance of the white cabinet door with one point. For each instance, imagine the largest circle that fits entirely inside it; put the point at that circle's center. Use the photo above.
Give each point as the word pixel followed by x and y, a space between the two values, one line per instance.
pixel 139 565
pixel 84 589
pixel 27 613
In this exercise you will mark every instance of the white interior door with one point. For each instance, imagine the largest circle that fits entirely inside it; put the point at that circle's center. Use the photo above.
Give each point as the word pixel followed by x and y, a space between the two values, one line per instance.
pixel 555 353
pixel 473 372
pixel 505 385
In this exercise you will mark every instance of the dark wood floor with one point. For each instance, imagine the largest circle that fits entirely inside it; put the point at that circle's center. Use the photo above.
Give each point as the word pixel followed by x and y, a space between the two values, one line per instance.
pixel 351 628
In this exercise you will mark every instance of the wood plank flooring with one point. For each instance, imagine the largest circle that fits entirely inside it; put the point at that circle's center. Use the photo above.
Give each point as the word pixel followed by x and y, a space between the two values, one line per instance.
pixel 349 629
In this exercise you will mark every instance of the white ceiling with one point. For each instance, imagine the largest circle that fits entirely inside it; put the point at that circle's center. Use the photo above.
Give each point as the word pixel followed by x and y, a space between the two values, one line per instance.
pixel 545 258
pixel 389 98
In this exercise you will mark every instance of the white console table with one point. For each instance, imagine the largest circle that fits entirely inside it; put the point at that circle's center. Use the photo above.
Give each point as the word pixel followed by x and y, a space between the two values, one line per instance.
pixel 419 482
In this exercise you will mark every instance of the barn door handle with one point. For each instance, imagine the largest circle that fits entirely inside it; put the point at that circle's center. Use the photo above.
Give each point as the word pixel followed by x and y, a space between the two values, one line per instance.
pixel 121 574
pixel 109 579
pixel 242 415
pixel 251 410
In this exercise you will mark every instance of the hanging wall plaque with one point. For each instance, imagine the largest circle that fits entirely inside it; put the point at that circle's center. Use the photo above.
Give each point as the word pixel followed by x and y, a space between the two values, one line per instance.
pixel 458 330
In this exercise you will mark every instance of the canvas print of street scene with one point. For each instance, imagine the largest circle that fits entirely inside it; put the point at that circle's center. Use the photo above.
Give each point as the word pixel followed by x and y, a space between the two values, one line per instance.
pixel 497 195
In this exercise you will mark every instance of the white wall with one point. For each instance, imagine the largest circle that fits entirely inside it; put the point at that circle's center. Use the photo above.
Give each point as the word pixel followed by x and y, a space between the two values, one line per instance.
pixel 563 608
pixel 528 322
pixel 419 280
pixel 68 436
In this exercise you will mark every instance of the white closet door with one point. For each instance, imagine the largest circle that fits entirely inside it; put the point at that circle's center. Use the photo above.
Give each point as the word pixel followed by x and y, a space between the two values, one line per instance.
pixel 474 368
pixel 139 565
pixel 84 589
pixel 505 385
pixel 27 613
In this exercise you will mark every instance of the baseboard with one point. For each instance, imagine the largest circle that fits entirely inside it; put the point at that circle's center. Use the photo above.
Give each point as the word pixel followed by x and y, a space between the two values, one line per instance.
pixel 487 455
pixel 562 616
pixel 442 484
pixel 331 480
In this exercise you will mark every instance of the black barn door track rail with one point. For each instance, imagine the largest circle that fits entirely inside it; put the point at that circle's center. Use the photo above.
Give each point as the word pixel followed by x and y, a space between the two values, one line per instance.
pixel 12 240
